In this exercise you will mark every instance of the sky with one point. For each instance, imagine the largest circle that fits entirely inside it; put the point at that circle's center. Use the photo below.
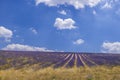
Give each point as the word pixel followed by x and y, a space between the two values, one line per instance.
pixel 60 25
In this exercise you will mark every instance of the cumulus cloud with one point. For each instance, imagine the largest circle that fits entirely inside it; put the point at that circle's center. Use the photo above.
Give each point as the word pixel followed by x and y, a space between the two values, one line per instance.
pixel 20 47
pixel 75 3
pixel 64 24
pixel 78 4
pixel 79 41
pixel 107 6
pixel 63 12
pixel 111 47
pixel 33 30
pixel 5 33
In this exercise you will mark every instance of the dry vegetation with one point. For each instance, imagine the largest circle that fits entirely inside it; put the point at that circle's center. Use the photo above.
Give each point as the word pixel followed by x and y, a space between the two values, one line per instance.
pixel 82 73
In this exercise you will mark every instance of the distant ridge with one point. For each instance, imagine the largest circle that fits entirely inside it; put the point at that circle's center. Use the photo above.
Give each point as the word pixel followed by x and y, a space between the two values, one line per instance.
pixel 59 52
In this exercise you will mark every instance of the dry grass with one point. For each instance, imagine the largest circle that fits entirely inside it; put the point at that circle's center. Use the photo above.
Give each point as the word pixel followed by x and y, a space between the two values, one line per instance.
pixel 82 73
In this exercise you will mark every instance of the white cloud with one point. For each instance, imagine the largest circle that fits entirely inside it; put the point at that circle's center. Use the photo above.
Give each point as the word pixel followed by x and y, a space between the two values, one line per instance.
pixel 64 24
pixel 107 6
pixel 5 33
pixel 63 12
pixel 110 4
pixel 33 30
pixel 111 47
pixel 75 3
pixel 20 47
pixel 79 41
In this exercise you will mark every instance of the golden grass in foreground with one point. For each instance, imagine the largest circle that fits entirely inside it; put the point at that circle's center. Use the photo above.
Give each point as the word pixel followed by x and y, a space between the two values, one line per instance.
pixel 93 73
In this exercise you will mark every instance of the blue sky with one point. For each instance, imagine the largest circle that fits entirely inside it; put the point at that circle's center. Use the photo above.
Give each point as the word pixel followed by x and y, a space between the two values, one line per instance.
pixel 77 26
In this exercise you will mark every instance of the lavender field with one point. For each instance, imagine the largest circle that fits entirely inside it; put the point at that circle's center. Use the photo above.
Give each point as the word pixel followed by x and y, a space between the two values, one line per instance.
pixel 30 65
pixel 20 59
